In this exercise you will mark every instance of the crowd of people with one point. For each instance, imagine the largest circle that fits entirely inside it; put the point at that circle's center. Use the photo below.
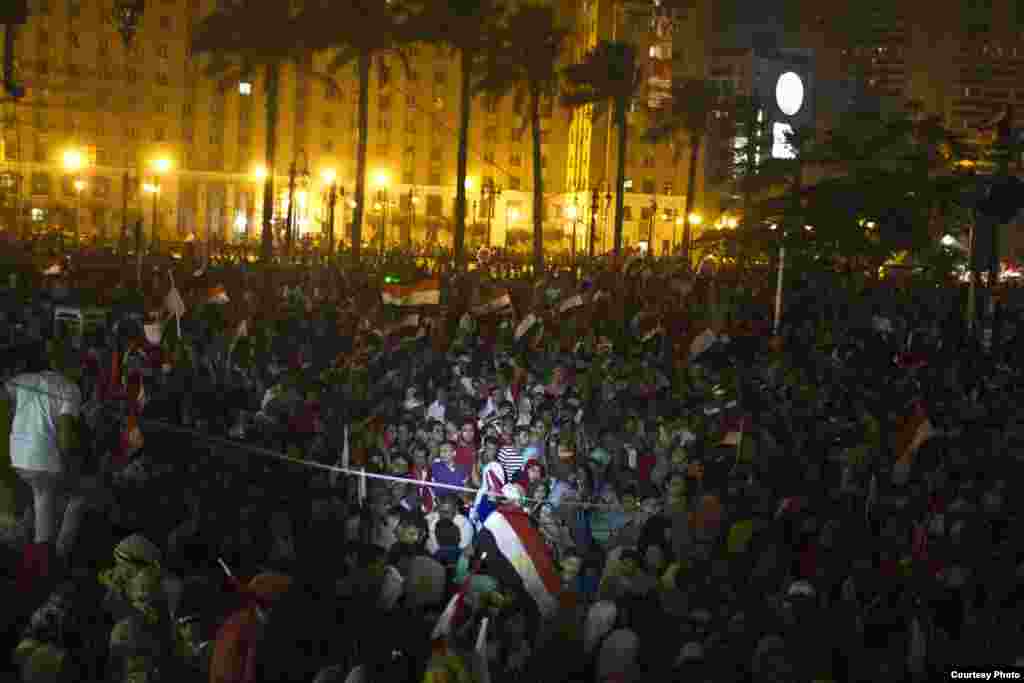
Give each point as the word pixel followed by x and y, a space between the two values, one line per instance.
pixel 820 506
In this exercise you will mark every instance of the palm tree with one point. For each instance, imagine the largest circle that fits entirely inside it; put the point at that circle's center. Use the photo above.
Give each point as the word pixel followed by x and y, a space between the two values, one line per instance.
pixel 358 32
pixel 242 37
pixel 687 116
pixel 607 74
pixel 467 27
pixel 522 60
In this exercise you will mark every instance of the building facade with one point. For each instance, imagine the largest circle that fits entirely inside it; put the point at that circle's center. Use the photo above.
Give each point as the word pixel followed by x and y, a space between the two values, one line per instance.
pixel 106 136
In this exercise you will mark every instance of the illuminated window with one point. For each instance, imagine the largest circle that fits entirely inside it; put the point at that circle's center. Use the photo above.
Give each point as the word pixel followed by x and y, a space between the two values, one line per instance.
pixel 781 149
pixel 38 215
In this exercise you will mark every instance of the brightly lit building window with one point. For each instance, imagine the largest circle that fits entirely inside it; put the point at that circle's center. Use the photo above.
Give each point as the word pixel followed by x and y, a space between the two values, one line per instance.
pixel 781 149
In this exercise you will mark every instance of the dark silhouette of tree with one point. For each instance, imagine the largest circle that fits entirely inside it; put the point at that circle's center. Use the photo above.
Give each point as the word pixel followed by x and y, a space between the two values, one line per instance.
pixel 358 32
pixel 684 123
pixel 522 60
pixel 607 75
pixel 243 38
pixel 467 27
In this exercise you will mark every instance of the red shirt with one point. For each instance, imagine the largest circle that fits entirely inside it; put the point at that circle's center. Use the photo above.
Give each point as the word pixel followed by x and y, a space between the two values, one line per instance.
pixel 645 463
pixel 465 456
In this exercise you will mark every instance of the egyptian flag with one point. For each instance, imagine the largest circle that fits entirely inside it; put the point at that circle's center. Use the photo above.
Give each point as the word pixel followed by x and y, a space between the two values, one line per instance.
pixel 518 558
pixel 422 293
pixel 217 295
pixel 234 655
pixel 916 429
pixel 499 302
pixel 403 330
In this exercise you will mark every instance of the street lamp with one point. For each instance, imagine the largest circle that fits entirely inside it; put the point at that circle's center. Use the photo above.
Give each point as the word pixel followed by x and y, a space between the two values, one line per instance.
pixel 650 227
pixel 488 194
pixel 330 178
pixel 381 180
pixel 572 212
pixel 303 177
pixel 79 187
pixel 511 216
pixel 160 166
pixel 413 201
pixel 153 189
pixel 74 161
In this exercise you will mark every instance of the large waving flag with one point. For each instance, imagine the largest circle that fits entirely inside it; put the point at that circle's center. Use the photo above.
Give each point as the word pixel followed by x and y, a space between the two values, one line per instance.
pixel 423 293
pixel 518 557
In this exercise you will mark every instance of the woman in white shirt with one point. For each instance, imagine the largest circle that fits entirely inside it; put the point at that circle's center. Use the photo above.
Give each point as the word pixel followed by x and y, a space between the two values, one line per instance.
pixel 46 406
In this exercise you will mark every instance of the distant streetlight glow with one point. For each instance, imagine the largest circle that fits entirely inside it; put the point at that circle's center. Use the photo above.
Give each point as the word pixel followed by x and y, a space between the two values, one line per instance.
pixel 74 160
pixel 244 88
pixel 151 188
pixel 329 175
pixel 162 165
pixel 468 184
pixel 260 173
pixel 380 179
pixel 79 186
pixel 696 219
pixel 571 212
pixel 513 214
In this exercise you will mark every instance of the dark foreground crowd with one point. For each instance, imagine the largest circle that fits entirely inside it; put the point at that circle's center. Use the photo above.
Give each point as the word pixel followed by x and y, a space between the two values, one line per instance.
pixel 831 510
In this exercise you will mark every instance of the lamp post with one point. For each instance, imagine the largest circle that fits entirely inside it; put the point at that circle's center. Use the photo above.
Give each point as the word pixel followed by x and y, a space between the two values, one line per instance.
pixel 79 187
pixel 413 201
pixel 154 190
pixel 595 205
pixel 380 180
pixel 126 16
pixel 511 215
pixel 488 194
pixel 293 171
pixel 650 227
pixel 161 166
pixel 74 161
pixel 330 178
pixel 573 212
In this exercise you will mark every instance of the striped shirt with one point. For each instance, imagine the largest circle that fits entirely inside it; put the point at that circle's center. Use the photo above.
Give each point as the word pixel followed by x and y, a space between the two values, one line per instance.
pixel 512 460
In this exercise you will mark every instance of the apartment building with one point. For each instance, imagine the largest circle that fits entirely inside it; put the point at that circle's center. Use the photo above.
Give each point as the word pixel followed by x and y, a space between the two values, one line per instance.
pixel 103 129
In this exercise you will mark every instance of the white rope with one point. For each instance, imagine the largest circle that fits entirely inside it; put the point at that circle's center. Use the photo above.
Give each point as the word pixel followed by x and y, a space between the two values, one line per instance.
pixel 259 450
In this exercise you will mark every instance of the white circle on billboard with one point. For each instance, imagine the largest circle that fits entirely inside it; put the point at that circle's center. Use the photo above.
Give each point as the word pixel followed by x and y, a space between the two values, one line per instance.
pixel 789 93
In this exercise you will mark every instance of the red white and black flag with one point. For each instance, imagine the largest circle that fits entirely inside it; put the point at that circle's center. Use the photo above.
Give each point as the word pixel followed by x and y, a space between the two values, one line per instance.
pixel 518 557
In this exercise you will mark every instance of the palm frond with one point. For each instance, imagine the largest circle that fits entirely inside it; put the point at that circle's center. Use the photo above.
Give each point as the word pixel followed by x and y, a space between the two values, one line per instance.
pixel 341 58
